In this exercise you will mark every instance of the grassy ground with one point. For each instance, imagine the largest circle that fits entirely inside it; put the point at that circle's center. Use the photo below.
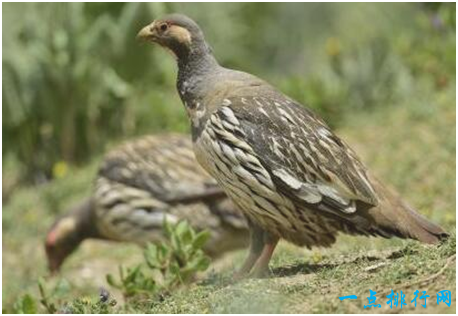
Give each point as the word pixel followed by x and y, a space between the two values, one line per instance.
pixel 411 146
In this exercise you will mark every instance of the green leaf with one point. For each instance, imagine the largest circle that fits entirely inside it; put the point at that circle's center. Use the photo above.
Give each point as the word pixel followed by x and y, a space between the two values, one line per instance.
pixel 50 307
pixel 200 239
pixel 163 253
pixel 151 255
pixel 176 242
pixel 132 274
pixel 186 237
pixel 111 281
pixel 181 228
pixel 200 263
pixel 203 264
pixel 167 228
pixel 25 305
pixel 62 287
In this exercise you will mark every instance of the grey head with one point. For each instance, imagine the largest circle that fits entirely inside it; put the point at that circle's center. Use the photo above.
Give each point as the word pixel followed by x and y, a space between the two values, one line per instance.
pixel 201 82
pixel 178 33
pixel 198 70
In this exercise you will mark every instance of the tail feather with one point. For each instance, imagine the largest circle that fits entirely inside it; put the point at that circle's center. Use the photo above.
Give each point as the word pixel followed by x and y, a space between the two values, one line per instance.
pixel 422 229
pixel 395 217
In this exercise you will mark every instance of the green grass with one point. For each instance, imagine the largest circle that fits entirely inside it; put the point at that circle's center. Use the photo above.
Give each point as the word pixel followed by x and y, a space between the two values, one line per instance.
pixel 410 145
pixel 303 286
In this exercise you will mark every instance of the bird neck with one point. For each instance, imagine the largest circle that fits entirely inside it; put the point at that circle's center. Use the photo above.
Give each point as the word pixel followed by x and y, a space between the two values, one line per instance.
pixel 85 221
pixel 193 68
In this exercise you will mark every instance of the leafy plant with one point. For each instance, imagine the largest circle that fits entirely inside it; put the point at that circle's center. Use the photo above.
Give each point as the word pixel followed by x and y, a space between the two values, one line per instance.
pixel 87 305
pixel 24 305
pixel 51 301
pixel 68 83
pixel 133 281
pixel 181 257
pixel 46 298
pixel 167 265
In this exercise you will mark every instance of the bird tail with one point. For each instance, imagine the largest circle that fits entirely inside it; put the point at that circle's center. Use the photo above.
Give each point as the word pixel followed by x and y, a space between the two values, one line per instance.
pixel 421 229
pixel 395 217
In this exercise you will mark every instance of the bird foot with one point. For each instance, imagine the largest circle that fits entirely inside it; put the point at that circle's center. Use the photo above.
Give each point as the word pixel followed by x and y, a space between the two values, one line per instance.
pixel 256 273
pixel 261 273
pixel 239 275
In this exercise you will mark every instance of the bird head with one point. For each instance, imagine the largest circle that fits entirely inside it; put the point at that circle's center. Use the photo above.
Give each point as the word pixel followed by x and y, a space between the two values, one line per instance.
pixel 61 240
pixel 67 233
pixel 176 32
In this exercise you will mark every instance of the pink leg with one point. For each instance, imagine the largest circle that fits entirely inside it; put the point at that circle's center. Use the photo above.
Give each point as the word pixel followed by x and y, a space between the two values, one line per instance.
pixel 247 265
pixel 256 246
pixel 261 268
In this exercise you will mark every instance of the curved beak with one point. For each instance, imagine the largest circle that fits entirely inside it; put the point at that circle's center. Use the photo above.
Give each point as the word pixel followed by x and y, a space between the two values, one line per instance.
pixel 147 33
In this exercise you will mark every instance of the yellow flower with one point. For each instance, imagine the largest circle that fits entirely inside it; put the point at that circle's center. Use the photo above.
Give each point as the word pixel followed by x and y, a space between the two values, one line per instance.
pixel 86 300
pixel 317 257
pixel 60 169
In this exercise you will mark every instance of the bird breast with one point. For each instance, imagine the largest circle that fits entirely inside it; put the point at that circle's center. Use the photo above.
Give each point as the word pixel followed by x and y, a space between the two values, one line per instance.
pixel 232 163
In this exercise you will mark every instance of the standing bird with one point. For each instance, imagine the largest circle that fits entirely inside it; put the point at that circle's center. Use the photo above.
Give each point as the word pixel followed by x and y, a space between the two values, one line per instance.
pixel 139 185
pixel 281 164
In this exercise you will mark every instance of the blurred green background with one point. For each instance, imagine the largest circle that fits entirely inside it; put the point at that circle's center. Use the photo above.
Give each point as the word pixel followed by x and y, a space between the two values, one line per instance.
pixel 75 78
pixel 75 82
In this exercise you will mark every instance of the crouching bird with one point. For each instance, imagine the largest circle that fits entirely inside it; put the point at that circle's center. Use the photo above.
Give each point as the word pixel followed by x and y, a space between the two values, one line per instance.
pixel 281 164
pixel 139 185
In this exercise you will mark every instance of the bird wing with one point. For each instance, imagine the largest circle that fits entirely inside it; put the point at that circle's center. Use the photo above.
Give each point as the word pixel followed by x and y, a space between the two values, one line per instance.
pixel 165 167
pixel 304 158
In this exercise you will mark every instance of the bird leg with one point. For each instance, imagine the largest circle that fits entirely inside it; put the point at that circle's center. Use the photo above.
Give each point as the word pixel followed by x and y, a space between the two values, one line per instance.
pixel 261 268
pixel 257 242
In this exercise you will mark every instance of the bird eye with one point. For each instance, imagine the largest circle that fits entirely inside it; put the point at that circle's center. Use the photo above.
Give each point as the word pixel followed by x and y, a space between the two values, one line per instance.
pixel 164 27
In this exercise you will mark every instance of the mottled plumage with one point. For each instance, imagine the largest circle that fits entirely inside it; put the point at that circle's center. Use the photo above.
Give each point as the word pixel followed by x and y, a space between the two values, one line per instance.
pixel 141 183
pixel 281 164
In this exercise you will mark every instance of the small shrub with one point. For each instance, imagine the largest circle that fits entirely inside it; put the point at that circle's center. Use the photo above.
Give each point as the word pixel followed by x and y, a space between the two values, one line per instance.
pixel 167 265
pixel 87 305
pixel 133 281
